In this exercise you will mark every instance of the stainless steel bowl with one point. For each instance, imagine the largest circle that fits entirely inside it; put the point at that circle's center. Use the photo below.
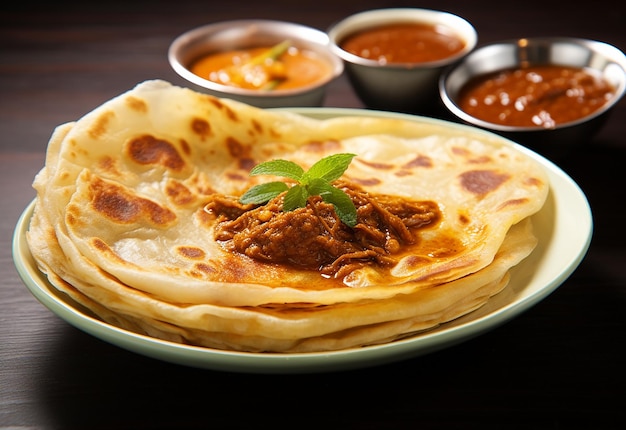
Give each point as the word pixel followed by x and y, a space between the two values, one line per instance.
pixel 227 35
pixel 607 60
pixel 398 87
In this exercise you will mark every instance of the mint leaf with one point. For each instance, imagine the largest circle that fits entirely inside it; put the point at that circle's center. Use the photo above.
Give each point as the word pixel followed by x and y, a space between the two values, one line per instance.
pixel 263 193
pixel 316 181
pixel 344 207
pixel 284 168
pixel 295 198
pixel 330 168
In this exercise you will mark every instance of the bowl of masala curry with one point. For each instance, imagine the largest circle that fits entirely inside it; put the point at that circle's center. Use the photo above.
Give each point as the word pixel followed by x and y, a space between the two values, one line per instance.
pixel 393 57
pixel 548 93
pixel 264 63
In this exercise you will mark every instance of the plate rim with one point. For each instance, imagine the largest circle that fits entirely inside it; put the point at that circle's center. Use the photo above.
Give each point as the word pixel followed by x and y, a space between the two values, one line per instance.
pixel 350 359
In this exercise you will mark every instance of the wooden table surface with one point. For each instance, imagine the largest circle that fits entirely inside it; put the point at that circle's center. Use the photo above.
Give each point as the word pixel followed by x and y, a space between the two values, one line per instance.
pixel 560 365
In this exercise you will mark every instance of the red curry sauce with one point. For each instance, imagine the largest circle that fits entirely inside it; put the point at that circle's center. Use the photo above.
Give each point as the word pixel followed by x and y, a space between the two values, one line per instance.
pixel 404 43
pixel 535 96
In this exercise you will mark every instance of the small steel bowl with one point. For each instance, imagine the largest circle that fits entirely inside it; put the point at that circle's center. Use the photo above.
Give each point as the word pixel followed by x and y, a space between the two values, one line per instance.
pixel 241 34
pixel 407 87
pixel 607 60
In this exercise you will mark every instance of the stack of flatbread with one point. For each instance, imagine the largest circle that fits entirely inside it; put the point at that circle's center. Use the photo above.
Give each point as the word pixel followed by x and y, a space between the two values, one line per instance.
pixel 120 223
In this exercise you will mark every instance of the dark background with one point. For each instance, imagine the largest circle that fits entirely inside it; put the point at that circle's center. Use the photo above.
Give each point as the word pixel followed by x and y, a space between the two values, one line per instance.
pixel 560 365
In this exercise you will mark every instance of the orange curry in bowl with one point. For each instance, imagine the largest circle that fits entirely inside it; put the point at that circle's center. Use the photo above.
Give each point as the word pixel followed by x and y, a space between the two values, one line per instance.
pixel 404 43
pixel 278 67
pixel 535 96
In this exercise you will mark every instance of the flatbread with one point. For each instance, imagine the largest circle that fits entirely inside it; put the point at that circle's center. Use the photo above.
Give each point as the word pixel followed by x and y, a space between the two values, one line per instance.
pixel 119 221
pixel 293 329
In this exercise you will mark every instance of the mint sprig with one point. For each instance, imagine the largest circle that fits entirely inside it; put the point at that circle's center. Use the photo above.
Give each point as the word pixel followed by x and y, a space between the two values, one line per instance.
pixel 315 181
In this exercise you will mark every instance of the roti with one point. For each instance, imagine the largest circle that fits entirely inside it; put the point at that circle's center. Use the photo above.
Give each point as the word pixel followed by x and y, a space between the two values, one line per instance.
pixel 120 222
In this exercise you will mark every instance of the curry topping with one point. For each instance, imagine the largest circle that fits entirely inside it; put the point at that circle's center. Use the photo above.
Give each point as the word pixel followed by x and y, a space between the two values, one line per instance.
pixel 313 237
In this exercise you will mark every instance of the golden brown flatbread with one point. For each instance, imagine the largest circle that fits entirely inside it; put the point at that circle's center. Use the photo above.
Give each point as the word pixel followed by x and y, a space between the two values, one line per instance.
pixel 120 222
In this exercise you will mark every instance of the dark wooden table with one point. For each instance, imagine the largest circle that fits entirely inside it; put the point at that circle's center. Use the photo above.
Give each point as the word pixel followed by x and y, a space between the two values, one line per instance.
pixel 560 365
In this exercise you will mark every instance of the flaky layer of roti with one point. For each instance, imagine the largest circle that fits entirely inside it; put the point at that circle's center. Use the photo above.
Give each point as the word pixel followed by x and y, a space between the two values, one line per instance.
pixel 285 328
pixel 119 221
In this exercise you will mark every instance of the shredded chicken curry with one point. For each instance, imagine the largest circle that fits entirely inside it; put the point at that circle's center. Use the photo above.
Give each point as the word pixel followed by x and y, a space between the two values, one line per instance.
pixel 313 237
